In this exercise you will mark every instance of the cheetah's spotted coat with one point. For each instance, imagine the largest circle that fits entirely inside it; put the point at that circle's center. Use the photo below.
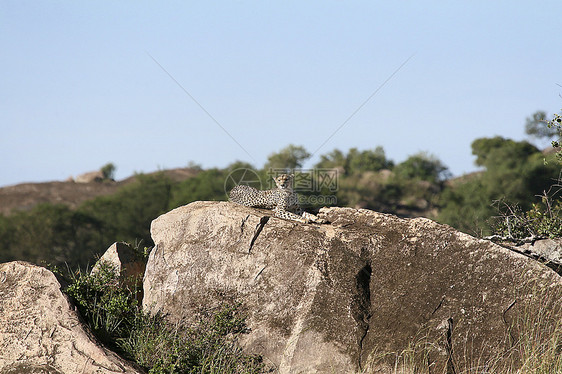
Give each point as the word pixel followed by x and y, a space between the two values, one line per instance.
pixel 282 200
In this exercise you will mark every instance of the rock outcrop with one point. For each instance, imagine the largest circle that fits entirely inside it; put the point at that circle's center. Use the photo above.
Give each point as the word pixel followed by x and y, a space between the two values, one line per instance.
pixel 41 333
pixel 337 297
pixel 548 251
pixel 126 264
pixel 92 176
pixel 124 261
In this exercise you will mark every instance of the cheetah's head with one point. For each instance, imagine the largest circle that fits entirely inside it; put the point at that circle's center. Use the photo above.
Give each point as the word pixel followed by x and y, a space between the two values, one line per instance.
pixel 284 181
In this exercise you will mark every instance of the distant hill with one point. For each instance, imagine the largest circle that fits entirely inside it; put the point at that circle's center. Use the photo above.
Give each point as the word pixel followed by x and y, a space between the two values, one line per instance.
pixel 27 195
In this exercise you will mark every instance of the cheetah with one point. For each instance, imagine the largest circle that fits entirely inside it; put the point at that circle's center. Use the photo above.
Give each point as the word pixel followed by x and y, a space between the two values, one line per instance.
pixel 282 200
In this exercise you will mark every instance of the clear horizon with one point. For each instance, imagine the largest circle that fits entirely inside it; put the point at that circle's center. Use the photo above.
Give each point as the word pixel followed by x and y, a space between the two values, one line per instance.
pixel 151 86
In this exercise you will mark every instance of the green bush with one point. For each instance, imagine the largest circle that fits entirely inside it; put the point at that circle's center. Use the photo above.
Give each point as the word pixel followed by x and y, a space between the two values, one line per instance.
pixel 108 171
pixel 109 309
pixel 368 160
pixel 422 166
pixel 208 347
pixel 556 124
pixel 289 158
pixel 355 161
pixel 467 207
pixel 515 172
pixel 48 232
pixel 544 220
pixel 116 318
pixel 207 185
pixel 126 215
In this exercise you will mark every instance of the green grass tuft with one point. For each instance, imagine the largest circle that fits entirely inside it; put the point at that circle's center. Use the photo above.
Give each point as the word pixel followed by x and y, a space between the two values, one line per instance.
pixel 113 313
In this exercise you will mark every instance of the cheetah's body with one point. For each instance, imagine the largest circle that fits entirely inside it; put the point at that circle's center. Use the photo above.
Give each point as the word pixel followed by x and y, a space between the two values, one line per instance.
pixel 270 199
pixel 282 200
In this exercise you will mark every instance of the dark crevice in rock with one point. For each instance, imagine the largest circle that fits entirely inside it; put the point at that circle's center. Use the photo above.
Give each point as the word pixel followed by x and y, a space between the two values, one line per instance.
pixel 507 325
pixel 363 284
pixel 243 223
pixel 438 306
pixel 556 267
pixel 449 346
pixel 259 273
pixel 257 231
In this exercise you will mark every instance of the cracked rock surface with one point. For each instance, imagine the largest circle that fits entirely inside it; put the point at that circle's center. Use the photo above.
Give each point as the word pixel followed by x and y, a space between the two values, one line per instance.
pixel 331 298
pixel 39 330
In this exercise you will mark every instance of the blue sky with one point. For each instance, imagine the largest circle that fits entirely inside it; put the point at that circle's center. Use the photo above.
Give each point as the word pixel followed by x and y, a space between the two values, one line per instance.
pixel 78 86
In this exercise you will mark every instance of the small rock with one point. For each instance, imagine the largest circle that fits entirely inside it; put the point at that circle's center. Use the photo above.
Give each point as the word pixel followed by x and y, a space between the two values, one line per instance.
pixel 549 250
pixel 126 264
pixel 93 176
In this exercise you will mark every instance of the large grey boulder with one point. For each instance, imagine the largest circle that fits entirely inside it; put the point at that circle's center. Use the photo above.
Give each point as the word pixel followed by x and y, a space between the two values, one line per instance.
pixel 39 330
pixel 344 297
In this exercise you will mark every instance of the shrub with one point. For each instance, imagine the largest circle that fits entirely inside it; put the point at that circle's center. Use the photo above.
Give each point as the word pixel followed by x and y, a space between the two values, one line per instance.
pixel 127 214
pixel 108 171
pixel 207 185
pixel 422 166
pixel 116 318
pixel 544 219
pixel 109 309
pixel 52 232
pixel 515 172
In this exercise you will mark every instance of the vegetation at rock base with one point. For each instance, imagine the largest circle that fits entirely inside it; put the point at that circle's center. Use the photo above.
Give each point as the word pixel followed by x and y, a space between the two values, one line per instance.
pixel 544 218
pixel 113 313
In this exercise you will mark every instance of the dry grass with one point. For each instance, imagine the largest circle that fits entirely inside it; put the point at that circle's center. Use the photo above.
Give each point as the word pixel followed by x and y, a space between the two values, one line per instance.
pixel 534 342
